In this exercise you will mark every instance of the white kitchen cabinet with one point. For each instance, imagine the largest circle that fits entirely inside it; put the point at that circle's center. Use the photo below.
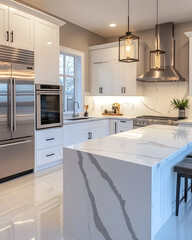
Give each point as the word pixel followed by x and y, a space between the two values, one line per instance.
pixel 124 125
pixel 82 132
pixel 4 24
pixel 112 126
pixel 49 148
pixel 16 28
pixel 46 52
pixel 118 78
pixel 109 77
pixel 102 75
pixel 117 126
pixel 21 29
pixel 124 79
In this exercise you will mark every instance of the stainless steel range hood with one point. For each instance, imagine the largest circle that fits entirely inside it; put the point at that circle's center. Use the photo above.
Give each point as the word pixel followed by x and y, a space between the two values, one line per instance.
pixel 166 43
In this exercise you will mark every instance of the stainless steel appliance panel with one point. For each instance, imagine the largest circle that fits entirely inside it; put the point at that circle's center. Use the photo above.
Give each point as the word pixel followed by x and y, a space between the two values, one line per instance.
pixel 49 102
pixel 16 157
pixel 23 100
pixel 5 101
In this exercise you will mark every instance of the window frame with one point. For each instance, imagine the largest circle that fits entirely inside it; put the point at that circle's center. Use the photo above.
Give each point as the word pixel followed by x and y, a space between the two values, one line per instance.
pixel 73 52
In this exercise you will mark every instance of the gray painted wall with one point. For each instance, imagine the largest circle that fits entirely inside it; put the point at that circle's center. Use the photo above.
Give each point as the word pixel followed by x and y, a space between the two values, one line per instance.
pixel 78 38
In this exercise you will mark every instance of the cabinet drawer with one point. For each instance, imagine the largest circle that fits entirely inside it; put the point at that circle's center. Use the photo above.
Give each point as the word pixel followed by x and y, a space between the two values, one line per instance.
pixel 50 155
pixel 49 138
pixel 125 123
pixel 123 129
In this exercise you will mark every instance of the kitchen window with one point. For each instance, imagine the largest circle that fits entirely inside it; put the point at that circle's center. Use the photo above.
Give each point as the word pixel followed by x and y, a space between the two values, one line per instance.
pixel 70 70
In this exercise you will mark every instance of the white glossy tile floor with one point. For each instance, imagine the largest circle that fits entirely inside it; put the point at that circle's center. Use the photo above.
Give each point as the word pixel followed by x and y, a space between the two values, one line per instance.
pixel 178 228
pixel 31 209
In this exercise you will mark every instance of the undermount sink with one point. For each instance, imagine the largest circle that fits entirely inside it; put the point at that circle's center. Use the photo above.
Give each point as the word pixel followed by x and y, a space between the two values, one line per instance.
pixel 78 118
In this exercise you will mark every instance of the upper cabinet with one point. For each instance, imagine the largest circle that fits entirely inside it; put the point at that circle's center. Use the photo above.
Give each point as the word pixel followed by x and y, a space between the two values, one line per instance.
pixel 109 77
pixel 25 31
pixel 21 29
pixel 4 34
pixel 46 52
pixel 16 28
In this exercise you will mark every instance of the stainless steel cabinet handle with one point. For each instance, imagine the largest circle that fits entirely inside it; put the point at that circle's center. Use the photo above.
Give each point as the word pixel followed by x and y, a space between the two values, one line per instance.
pixel 89 135
pixel 14 106
pixel 124 89
pixel 15 143
pixel 50 139
pixel 12 36
pixel 123 121
pixel 115 127
pixel 7 36
pixel 100 90
pixel 50 155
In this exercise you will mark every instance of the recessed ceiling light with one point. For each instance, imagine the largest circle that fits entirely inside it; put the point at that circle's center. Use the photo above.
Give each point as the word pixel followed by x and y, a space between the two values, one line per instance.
pixel 112 25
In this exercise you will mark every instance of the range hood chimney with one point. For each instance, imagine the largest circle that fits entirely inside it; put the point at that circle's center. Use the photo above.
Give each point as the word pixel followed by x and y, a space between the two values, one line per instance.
pixel 166 43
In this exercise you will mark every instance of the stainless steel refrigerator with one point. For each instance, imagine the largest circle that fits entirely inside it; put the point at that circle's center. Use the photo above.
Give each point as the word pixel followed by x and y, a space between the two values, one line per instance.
pixel 16 112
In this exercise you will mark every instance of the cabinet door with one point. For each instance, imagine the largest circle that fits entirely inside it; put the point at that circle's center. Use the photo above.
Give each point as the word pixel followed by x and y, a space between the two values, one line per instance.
pixel 46 52
pixel 112 127
pixel 129 71
pixel 99 129
pixel 78 133
pixel 3 25
pixel 102 73
pixel 118 75
pixel 21 30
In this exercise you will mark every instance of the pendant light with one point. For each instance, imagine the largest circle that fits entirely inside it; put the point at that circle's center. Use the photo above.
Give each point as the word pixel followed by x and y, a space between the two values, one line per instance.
pixel 129 46
pixel 157 57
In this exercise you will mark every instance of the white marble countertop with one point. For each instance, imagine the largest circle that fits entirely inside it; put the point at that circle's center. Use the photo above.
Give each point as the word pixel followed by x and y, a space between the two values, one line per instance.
pixel 186 121
pixel 90 119
pixel 146 146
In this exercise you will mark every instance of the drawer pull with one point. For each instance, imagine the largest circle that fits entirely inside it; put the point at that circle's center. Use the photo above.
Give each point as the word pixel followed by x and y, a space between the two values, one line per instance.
pixel 50 139
pixel 50 155
pixel 123 121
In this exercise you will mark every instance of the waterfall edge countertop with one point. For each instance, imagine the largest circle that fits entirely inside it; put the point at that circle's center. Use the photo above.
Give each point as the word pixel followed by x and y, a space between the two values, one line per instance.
pixel 123 186
pixel 146 146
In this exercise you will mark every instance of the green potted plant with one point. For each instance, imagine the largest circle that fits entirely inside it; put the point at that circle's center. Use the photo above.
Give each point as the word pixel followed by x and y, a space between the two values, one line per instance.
pixel 181 105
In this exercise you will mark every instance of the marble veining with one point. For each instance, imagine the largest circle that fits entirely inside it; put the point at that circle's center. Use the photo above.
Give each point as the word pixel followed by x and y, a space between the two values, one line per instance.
pixel 155 100
pixel 98 222
pixel 148 146
pixel 122 202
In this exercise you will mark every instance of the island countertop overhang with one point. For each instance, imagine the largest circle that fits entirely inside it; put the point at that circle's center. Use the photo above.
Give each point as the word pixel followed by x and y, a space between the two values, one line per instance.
pixel 149 146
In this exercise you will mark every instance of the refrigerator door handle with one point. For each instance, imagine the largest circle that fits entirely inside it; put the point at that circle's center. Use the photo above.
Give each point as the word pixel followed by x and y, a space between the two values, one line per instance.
pixel 11 92
pixel 14 143
pixel 14 106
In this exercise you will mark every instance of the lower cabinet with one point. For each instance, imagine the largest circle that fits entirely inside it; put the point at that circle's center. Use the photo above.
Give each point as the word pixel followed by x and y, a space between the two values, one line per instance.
pixel 82 132
pixel 117 126
pixel 49 148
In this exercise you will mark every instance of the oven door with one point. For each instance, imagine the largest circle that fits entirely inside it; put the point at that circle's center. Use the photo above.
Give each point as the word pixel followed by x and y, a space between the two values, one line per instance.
pixel 49 109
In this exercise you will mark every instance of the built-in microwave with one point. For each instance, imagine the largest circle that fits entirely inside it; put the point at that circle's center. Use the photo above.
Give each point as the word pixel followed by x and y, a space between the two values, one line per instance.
pixel 49 106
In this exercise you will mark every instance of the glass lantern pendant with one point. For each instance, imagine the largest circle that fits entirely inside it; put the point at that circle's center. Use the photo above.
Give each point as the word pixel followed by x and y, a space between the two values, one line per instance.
pixel 129 46
pixel 157 57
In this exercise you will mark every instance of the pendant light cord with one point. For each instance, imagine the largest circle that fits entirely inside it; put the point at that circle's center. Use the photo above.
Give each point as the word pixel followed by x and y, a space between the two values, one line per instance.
pixel 128 16
pixel 157 31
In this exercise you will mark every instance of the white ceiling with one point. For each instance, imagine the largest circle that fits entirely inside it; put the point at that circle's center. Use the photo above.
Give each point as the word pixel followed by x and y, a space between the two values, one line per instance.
pixel 98 14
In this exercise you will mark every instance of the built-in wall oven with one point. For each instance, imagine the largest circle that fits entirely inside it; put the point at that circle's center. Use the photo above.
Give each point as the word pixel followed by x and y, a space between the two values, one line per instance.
pixel 49 106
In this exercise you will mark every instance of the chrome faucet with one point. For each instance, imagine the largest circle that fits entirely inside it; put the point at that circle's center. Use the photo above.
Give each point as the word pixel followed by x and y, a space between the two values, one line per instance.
pixel 74 114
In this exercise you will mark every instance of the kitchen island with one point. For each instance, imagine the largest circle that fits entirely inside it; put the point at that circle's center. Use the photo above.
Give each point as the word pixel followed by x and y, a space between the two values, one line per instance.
pixel 122 187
